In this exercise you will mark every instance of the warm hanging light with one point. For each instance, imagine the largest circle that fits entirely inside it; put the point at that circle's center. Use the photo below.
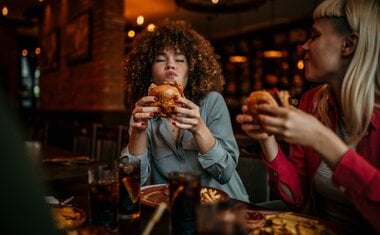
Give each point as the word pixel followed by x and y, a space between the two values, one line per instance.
pixel 151 27
pixel 140 20
pixel 131 33
pixel 300 64
pixel 24 52
pixel 37 51
pixel 238 59
pixel 273 54
pixel 4 10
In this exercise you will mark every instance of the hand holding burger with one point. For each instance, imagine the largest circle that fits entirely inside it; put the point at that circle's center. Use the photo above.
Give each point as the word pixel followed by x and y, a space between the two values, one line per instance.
pixel 165 94
pixel 273 97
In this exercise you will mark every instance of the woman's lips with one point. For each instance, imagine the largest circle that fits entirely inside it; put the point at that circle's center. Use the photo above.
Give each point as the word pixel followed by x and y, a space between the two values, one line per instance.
pixel 170 74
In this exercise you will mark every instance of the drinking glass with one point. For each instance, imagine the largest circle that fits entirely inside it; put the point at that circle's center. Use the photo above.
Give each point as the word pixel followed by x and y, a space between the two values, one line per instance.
pixel 184 199
pixel 129 188
pixel 103 196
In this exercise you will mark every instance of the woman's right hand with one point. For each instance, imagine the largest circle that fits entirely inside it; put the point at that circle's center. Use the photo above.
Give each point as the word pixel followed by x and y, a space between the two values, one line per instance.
pixel 251 126
pixel 142 112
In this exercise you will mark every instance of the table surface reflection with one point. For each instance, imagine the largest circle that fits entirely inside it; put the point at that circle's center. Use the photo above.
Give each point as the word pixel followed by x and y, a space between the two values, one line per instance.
pixel 162 227
pixel 66 180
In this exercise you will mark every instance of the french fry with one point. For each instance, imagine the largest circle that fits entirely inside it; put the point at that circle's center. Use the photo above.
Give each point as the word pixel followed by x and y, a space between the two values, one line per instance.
pixel 209 195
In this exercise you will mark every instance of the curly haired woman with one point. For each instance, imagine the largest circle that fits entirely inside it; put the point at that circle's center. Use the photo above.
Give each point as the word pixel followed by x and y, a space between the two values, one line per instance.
pixel 198 136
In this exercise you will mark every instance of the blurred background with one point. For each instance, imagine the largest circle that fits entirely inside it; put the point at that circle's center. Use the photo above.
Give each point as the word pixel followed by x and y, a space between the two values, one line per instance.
pixel 61 60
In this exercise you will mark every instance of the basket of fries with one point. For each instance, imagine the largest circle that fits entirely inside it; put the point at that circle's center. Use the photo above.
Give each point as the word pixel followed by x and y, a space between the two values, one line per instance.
pixel 68 217
pixel 212 195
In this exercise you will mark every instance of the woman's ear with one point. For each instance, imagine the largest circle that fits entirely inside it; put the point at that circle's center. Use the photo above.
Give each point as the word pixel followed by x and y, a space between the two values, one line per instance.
pixel 349 44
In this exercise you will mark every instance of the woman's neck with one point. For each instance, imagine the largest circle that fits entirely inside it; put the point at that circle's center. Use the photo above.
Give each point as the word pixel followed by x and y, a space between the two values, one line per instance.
pixel 336 90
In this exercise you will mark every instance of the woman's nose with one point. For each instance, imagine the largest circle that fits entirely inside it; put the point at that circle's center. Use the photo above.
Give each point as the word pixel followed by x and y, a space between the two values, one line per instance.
pixel 170 66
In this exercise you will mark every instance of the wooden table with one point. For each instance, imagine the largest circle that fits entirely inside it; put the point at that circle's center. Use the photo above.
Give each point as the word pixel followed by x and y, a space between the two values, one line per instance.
pixel 66 180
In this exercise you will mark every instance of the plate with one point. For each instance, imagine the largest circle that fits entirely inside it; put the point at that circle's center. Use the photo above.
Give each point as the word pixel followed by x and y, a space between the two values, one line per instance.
pixel 68 217
pixel 275 222
pixel 153 195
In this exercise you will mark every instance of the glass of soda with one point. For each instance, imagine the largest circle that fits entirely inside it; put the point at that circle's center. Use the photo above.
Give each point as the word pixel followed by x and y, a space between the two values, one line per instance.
pixel 129 188
pixel 184 199
pixel 103 196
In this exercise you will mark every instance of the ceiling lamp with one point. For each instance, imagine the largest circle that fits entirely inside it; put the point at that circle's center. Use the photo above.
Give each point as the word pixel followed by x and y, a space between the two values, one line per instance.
pixel 225 6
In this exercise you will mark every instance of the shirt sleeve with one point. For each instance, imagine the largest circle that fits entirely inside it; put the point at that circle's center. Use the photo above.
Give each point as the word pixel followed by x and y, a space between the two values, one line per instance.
pixel 221 160
pixel 284 178
pixel 360 181
pixel 288 175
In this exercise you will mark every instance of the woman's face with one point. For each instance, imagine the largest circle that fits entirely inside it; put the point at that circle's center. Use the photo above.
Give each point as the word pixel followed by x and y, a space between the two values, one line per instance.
pixel 323 53
pixel 169 66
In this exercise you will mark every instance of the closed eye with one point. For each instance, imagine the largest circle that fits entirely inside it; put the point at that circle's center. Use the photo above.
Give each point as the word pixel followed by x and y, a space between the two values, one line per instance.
pixel 180 58
pixel 160 59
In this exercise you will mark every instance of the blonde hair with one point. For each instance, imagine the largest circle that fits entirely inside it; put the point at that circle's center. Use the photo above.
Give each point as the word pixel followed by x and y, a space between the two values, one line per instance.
pixel 361 83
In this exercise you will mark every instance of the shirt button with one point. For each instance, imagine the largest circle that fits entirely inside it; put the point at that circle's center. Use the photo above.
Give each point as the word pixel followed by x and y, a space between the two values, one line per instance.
pixel 275 174
pixel 342 189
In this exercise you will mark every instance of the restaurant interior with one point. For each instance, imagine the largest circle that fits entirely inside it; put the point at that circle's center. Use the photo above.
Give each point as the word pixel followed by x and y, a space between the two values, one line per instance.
pixel 61 65
pixel 62 60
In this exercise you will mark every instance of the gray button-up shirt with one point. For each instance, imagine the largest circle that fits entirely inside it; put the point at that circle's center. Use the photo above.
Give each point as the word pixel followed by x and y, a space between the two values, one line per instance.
pixel 217 167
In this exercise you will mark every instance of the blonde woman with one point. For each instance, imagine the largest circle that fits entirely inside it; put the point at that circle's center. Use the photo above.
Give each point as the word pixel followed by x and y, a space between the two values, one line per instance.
pixel 333 167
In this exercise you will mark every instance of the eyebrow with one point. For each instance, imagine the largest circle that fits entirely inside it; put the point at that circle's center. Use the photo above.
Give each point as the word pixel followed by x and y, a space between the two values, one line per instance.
pixel 163 53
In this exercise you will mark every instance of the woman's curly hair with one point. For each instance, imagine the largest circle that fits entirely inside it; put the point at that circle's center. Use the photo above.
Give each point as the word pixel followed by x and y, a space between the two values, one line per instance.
pixel 205 72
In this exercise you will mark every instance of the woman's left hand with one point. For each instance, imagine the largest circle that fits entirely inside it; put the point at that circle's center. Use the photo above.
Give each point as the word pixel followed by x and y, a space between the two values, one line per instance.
pixel 186 117
pixel 290 124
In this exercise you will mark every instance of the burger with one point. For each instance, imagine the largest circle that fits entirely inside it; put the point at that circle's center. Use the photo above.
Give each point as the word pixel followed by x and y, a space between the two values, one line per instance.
pixel 272 97
pixel 165 94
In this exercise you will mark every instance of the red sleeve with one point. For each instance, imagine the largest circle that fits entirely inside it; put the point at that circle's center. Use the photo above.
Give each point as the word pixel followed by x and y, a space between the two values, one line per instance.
pixel 291 171
pixel 282 170
pixel 360 181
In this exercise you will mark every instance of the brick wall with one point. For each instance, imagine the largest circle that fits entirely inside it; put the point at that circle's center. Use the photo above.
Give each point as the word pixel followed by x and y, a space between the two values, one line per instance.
pixel 95 84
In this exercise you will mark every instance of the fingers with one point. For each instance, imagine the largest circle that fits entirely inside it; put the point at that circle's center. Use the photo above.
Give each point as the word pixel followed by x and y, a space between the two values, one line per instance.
pixel 139 125
pixel 272 110
pixel 250 127
pixel 142 111
pixel 244 118
pixel 244 108
pixel 186 115
pixel 186 108
pixel 255 131
pixel 179 119
pixel 268 122
pixel 186 103
pixel 145 101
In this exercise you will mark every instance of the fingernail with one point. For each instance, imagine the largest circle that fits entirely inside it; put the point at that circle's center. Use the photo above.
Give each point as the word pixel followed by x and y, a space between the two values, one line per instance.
pixel 151 114
pixel 174 123
pixel 155 99
pixel 175 98
pixel 143 123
